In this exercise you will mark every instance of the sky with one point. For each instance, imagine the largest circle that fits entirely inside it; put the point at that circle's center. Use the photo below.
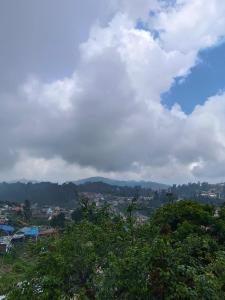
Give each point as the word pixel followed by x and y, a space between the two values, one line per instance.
pixel 206 79
pixel 127 89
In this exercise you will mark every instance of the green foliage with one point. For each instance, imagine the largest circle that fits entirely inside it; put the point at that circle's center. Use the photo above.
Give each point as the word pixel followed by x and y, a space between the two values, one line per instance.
pixel 27 210
pixel 58 221
pixel 15 266
pixel 77 215
pixel 178 254
pixel 43 193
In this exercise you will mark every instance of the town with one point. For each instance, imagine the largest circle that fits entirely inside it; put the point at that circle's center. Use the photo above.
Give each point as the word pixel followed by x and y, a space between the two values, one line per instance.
pixel 30 220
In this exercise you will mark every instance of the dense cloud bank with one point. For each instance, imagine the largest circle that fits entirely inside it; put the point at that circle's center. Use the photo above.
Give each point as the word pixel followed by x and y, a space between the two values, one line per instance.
pixel 107 117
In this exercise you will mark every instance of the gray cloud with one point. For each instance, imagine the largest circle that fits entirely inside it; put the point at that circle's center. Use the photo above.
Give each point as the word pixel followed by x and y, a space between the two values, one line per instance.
pixel 42 37
pixel 79 96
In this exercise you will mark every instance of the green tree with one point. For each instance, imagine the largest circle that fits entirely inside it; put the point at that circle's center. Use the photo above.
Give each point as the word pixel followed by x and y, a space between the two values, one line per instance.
pixel 58 220
pixel 175 255
pixel 27 210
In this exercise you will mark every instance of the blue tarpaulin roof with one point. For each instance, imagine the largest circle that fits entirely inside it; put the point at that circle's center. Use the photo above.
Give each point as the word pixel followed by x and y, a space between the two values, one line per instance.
pixel 7 228
pixel 30 231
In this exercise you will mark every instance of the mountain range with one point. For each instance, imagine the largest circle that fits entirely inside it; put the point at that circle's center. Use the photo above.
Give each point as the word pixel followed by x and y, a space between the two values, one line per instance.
pixel 122 183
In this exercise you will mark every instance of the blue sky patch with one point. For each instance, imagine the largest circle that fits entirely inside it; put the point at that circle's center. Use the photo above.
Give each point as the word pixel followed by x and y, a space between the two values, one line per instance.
pixel 206 79
pixel 141 25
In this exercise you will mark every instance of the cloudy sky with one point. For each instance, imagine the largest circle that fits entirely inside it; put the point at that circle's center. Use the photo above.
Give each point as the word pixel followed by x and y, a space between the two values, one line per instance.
pixel 130 89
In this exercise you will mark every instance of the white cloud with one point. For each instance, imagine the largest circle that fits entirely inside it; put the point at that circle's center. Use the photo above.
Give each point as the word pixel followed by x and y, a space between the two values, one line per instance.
pixel 192 25
pixel 107 117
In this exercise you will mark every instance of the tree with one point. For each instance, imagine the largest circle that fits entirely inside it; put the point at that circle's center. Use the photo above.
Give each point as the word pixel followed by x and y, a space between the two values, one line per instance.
pixel 99 260
pixel 77 215
pixel 171 197
pixel 27 210
pixel 58 220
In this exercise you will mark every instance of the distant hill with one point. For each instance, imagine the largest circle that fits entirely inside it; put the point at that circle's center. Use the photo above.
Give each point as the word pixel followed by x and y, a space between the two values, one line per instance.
pixel 113 190
pixel 43 193
pixel 66 195
pixel 123 183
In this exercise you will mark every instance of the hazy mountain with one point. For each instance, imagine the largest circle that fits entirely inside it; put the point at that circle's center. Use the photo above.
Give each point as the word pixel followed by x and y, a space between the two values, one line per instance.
pixel 23 180
pixel 129 183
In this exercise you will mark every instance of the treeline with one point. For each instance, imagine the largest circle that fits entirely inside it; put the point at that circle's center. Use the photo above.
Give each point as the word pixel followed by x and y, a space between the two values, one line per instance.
pixel 120 191
pixel 44 193
pixel 65 195
pixel 198 192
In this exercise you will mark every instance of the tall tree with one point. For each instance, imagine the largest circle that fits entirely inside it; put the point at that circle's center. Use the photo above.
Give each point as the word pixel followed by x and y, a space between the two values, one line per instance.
pixel 27 210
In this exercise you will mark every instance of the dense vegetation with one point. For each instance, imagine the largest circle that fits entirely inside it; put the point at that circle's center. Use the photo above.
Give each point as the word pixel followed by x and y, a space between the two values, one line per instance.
pixel 114 190
pixel 66 195
pixel 194 191
pixel 14 266
pixel 178 254
pixel 43 193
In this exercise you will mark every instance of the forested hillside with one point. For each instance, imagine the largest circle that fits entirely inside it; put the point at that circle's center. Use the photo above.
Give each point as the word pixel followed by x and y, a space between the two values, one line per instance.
pixel 121 191
pixel 64 195
pixel 44 193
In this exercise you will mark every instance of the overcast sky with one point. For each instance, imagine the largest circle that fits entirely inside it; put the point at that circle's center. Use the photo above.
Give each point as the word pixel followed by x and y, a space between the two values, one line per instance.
pixel 118 88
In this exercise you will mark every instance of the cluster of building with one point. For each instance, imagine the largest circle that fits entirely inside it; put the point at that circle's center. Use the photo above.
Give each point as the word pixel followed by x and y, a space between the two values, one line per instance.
pixel 119 204
pixel 212 194
pixel 7 211
pixel 116 202
pixel 10 236
pixel 49 212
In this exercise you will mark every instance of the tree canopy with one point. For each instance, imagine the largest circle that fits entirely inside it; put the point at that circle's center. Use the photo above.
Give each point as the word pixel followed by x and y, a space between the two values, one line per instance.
pixel 178 254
